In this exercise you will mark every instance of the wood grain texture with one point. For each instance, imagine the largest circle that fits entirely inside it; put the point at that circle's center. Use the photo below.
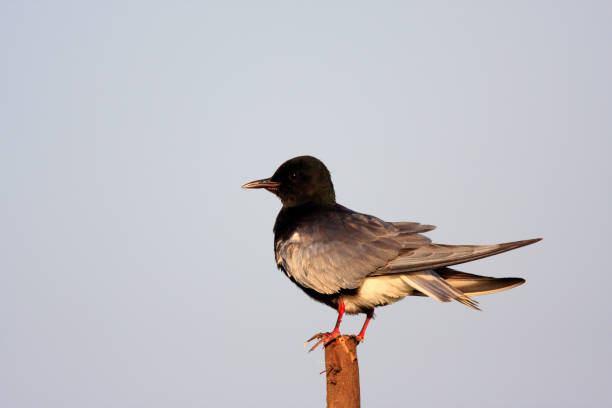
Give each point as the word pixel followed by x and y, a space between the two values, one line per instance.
pixel 342 373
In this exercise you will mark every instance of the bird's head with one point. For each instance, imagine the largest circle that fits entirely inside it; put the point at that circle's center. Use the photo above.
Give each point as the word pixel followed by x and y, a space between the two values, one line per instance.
pixel 298 181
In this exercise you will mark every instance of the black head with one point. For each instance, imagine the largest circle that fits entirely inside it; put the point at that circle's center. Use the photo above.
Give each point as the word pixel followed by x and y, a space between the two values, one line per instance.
pixel 301 180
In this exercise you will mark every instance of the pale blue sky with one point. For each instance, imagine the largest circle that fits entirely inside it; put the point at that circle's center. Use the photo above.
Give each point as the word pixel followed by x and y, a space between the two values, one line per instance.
pixel 136 272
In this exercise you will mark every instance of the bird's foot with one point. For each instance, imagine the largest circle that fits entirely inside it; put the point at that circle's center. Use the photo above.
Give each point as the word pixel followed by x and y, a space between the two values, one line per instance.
pixel 324 338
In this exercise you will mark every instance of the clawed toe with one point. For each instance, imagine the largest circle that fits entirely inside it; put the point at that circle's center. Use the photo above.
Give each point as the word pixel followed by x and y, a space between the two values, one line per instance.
pixel 324 338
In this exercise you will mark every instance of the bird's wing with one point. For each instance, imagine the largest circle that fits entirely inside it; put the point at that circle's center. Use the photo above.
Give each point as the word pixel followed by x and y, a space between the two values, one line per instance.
pixel 338 249
pixel 413 227
pixel 434 256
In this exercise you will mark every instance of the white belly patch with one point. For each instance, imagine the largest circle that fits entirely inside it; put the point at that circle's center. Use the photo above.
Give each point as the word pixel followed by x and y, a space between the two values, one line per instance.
pixel 377 291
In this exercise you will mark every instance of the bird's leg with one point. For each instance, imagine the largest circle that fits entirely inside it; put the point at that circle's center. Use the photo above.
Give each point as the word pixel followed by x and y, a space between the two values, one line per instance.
pixel 327 337
pixel 365 324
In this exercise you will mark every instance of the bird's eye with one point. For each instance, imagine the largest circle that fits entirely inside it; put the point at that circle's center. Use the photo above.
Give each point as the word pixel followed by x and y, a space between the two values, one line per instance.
pixel 293 176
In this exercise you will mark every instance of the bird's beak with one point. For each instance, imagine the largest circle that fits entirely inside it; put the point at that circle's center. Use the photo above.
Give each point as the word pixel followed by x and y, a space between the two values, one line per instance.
pixel 264 183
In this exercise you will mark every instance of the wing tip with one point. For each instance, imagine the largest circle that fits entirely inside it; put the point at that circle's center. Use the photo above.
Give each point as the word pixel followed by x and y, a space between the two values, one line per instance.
pixel 526 241
pixel 532 241
pixel 507 246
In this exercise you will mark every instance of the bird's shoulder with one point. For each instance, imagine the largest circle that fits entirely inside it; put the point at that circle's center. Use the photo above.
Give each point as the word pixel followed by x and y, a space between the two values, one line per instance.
pixel 331 224
pixel 339 223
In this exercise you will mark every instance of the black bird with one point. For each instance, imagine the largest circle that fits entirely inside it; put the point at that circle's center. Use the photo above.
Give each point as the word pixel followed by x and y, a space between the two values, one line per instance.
pixel 355 262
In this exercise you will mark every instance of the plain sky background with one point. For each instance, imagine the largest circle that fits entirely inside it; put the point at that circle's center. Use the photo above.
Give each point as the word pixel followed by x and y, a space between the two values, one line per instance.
pixel 134 271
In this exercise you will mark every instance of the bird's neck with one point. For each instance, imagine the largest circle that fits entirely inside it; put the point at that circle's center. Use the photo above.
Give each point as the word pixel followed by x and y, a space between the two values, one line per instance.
pixel 309 198
pixel 289 217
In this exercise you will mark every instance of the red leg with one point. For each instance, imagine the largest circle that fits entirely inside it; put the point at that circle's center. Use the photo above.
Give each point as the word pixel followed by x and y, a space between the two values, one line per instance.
pixel 327 337
pixel 340 314
pixel 365 324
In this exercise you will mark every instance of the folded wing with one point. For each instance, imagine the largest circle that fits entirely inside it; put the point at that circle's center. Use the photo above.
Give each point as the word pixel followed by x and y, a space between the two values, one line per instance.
pixel 338 249
pixel 435 256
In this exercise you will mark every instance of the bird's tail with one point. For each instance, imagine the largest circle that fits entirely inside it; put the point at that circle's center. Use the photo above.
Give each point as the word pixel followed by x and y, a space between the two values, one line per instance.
pixel 475 284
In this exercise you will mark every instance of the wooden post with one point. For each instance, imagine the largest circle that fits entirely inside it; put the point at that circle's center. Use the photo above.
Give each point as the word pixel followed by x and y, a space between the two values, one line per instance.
pixel 342 372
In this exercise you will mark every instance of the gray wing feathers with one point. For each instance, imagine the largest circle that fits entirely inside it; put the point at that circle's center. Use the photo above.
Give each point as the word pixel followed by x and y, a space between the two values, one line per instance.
pixel 412 241
pixel 412 227
pixel 434 256
pixel 341 249
pixel 335 255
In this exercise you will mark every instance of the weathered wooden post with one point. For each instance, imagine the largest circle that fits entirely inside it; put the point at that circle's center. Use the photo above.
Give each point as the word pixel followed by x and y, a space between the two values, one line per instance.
pixel 342 373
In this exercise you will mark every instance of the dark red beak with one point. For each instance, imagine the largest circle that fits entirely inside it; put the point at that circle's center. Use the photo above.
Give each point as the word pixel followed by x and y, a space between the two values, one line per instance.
pixel 264 183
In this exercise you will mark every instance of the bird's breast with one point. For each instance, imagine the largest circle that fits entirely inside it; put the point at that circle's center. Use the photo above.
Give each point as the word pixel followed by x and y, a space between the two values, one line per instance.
pixel 282 246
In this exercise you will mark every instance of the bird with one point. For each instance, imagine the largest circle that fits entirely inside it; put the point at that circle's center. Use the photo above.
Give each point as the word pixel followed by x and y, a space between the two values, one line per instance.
pixel 354 262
